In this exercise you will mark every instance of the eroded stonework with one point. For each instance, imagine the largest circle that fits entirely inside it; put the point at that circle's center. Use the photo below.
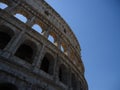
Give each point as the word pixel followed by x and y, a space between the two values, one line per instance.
pixel 37 60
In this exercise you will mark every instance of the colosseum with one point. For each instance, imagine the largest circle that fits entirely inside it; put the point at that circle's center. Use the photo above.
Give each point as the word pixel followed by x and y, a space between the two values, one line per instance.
pixel 38 50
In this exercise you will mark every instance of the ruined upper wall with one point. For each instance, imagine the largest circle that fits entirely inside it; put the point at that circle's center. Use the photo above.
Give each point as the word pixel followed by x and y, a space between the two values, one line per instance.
pixel 52 24
pixel 42 7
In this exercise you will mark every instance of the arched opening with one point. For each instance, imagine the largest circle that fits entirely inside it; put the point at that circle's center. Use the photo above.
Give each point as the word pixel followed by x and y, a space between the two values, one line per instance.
pixel 25 52
pixel 5 36
pixel 51 39
pixel 21 17
pixel 73 82
pixel 63 74
pixel 37 28
pixel 3 5
pixel 4 39
pixel 47 64
pixel 7 86
pixel 62 49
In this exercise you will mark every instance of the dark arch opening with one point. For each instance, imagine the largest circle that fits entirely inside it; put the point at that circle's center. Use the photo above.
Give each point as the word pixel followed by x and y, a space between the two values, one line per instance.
pixel 4 39
pixel 74 82
pixel 47 64
pixel 63 74
pixel 25 52
pixel 7 86
pixel 5 36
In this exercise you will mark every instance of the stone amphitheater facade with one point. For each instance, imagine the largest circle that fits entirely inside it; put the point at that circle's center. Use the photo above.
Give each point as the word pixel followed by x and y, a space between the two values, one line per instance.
pixel 30 59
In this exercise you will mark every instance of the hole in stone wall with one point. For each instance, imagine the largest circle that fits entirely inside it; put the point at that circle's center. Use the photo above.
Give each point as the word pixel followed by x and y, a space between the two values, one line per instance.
pixel 25 52
pixel 51 39
pixel 64 31
pixel 74 82
pixel 62 49
pixel 63 74
pixel 37 28
pixel 47 13
pixel 47 64
pixel 21 17
pixel 3 5
pixel 4 39
pixel 5 36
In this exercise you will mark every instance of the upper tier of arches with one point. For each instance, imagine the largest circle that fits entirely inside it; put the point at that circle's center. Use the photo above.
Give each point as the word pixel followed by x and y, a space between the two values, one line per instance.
pixel 54 35
pixel 54 18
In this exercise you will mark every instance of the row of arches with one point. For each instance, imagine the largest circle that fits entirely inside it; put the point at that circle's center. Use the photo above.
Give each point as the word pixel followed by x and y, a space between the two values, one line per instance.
pixel 27 50
pixel 36 27
pixel 39 27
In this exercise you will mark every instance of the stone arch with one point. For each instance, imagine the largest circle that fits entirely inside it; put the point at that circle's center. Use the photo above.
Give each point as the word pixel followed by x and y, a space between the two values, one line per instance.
pixel 3 5
pixel 22 14
pixel 26 51
pixel 47 64
pixel 21 17
pixel 6 35
pixel 63 74
pixel 8 86
pixel 40 24
pixel 64 48
pixel 37 28
pixel 52 37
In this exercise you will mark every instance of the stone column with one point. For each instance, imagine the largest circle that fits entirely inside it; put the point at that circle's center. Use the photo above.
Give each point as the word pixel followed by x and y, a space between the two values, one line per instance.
pixel 57 42
pixel 55 75
pixel 56 69
pixel 30 21
pixel 69 79
pixel 46 32
pixel 40 55
pixel 37 55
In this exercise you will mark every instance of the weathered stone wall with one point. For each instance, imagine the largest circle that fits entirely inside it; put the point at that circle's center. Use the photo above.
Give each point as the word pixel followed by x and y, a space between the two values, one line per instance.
pixel 28 59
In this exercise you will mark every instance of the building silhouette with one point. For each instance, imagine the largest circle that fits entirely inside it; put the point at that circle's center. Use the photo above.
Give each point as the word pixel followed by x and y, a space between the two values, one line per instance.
pixel 38 50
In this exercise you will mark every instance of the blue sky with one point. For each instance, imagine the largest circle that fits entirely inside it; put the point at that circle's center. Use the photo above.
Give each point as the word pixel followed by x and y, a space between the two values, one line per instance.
pixel 96 23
